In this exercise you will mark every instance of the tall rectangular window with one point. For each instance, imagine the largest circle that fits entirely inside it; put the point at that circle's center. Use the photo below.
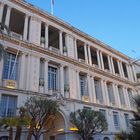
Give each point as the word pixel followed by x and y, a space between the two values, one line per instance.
pixel 8 106
pixel 126 116
pixel 98 90
pixel 10 67
pixel 83 85
pixel 121 95
pixel 103 112
pixel 116 120
pixel 131 99
pixel 110 94
pixel 52 78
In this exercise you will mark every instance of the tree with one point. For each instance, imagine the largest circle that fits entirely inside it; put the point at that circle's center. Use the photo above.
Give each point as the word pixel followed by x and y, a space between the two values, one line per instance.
pixel 136 120
pixel 39 109
pixel 17 121
pixel 88 122
pixel 8 123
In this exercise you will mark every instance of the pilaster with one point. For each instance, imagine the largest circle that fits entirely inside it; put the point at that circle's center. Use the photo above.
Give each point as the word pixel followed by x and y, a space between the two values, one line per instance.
pixel 106 93
pixel 46 76
pixel 93 89
pixel 22 74
pixel 28 84
pixel 117 96
pixel 62 80
pixel 89 88
pixel 75 48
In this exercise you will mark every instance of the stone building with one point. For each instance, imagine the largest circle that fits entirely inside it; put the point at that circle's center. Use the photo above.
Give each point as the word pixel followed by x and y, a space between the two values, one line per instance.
pixel 47 56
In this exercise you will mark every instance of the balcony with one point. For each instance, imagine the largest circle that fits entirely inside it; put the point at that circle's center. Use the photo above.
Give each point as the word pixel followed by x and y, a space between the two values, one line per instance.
pixel 56 50
pixel 16 35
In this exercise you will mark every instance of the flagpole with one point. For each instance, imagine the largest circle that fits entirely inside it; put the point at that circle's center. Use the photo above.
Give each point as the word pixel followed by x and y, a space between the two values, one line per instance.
pixel 52 7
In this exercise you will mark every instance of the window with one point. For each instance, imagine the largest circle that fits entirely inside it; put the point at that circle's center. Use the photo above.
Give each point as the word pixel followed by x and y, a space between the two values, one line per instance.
pixel 105 61
pixel 110 94
pixel 52 78
pixel 124 69
pixel 116 66
pixel 98 91
pixel 103 112
pixel 11 67
pixel 116 120
pixel 131 99
pixel 8 105
pixel 126 116
pixel 83 85
pixel 121 95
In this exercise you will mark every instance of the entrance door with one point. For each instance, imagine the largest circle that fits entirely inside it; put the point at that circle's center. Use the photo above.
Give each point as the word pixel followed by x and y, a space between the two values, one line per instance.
pixel 52 137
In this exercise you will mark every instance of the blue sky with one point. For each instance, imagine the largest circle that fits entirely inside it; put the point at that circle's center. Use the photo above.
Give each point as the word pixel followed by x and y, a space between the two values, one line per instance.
pixel 114 22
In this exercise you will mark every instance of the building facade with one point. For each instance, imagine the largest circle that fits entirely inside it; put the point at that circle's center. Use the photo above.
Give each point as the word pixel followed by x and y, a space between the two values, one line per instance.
pixel 47 56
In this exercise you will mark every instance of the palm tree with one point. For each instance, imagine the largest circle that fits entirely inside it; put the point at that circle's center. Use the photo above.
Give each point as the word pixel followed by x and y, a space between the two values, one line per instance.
pixel 88 122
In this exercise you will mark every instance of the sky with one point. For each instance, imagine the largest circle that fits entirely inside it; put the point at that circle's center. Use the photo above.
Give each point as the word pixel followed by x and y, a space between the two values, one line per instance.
pixel 114 22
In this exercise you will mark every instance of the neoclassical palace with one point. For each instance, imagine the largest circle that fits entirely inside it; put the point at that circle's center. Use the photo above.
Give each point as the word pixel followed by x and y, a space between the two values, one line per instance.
pixel 47 56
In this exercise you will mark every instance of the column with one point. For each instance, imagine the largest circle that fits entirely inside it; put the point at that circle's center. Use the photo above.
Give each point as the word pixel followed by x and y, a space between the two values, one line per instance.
pixel 62 80
pixel 78 86
pixel 93 90
pixel 7 19
pixel 1 70
pixel 22 71
pixel 102 62
pixel 113 70
pixel 46 76
pixel 115 93
pixel 109 62
pixel 106 93
pixel 117 96
pixel 46 36
pixel 89 55
pixel 130 72
pixel 25 32
pixel 75 48
pixel 98 58
pixel 1 11
pixel 60 42
pixel 28 72
pixel 120 70
pixel 89 88
pixel 85 50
